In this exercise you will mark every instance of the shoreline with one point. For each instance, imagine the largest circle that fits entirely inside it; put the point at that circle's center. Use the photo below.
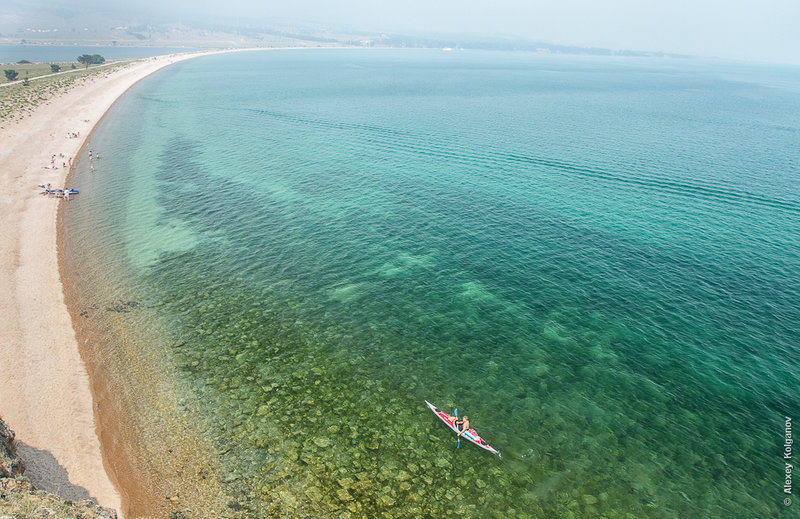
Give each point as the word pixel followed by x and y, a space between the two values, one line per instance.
pixel 46 392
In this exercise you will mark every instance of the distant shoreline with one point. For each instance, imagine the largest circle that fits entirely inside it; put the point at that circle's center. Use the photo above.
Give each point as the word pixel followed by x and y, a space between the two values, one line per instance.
pixel 362 42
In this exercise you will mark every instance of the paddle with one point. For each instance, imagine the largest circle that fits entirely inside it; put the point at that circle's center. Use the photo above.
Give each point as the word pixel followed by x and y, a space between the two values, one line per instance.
pixel 458 445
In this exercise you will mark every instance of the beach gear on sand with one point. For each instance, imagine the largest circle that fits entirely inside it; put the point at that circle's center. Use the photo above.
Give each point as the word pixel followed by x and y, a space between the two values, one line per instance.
pixel 52 191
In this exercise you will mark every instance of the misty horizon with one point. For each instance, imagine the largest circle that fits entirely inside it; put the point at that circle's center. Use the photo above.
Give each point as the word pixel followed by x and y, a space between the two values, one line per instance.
pixel 729 30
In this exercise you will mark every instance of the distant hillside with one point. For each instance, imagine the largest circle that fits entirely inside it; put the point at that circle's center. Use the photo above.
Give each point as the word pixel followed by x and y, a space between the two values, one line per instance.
pixel 48 22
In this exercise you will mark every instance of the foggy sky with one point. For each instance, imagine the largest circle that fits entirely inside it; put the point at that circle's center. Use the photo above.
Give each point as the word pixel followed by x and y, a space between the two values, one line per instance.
pixel 764 30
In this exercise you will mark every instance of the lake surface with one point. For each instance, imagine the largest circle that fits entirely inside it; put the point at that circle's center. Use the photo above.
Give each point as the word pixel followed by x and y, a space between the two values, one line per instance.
pixel 596 259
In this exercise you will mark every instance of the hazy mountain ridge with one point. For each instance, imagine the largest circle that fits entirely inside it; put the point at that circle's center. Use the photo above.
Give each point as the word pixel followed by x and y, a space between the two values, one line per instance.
pixel 46 22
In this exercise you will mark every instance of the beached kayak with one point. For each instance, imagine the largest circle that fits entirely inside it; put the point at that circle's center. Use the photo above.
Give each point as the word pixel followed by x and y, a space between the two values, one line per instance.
pixel 470 435
pixel 53 190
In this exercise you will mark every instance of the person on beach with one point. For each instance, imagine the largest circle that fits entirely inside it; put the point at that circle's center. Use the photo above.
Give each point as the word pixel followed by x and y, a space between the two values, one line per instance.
pixel 66 197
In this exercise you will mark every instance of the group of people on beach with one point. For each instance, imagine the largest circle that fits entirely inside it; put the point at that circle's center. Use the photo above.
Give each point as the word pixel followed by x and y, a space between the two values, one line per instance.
pixel 64 193
pixel 48 189
pixel 63 164
pixel 58 193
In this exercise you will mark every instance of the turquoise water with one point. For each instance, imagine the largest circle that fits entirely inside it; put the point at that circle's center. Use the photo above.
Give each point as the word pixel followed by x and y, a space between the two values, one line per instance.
pixel 594 258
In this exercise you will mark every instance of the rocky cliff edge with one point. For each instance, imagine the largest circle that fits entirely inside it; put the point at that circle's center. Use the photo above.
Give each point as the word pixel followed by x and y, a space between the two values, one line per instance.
pixel 19 498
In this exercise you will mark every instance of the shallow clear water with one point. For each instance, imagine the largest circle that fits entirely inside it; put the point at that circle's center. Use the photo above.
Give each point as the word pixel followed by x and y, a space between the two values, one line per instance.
pixel 594 258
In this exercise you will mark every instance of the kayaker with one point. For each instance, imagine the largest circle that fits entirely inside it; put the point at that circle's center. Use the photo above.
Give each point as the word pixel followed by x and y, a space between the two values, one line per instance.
pixel 463 425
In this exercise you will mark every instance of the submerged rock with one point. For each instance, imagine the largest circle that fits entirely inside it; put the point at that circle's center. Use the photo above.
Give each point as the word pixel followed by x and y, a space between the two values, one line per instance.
pixel 123 306
pixel 386 500
pixel 344 495
pixel 346 482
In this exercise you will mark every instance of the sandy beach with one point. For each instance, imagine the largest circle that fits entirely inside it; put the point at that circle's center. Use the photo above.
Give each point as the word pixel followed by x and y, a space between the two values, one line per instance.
pixel 45 394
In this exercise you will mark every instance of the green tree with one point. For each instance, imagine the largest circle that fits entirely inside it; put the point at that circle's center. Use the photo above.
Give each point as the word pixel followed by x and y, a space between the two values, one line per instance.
pixel 11 74
pixel 85 59
pixel 91 59
pixel 55 68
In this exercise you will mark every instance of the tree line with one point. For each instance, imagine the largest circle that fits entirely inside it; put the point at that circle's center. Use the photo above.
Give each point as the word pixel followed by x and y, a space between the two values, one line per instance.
pixel 84 59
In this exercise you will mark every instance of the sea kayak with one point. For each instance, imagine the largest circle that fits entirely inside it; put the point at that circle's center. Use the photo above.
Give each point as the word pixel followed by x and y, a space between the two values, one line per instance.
pixel 470 435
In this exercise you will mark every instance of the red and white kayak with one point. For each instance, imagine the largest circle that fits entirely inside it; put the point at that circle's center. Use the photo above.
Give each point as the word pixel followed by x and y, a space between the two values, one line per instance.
pixel 471 435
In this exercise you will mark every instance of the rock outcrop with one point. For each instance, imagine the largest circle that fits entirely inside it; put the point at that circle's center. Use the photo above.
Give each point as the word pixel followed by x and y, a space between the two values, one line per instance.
pixel 19 498
pixel 10 465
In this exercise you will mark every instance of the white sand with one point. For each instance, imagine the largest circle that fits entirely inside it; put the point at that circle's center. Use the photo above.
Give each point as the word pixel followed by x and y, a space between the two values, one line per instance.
pixel 45 393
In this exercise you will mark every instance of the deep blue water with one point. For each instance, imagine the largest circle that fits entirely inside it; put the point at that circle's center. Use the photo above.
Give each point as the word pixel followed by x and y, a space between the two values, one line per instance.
pixel 594 258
